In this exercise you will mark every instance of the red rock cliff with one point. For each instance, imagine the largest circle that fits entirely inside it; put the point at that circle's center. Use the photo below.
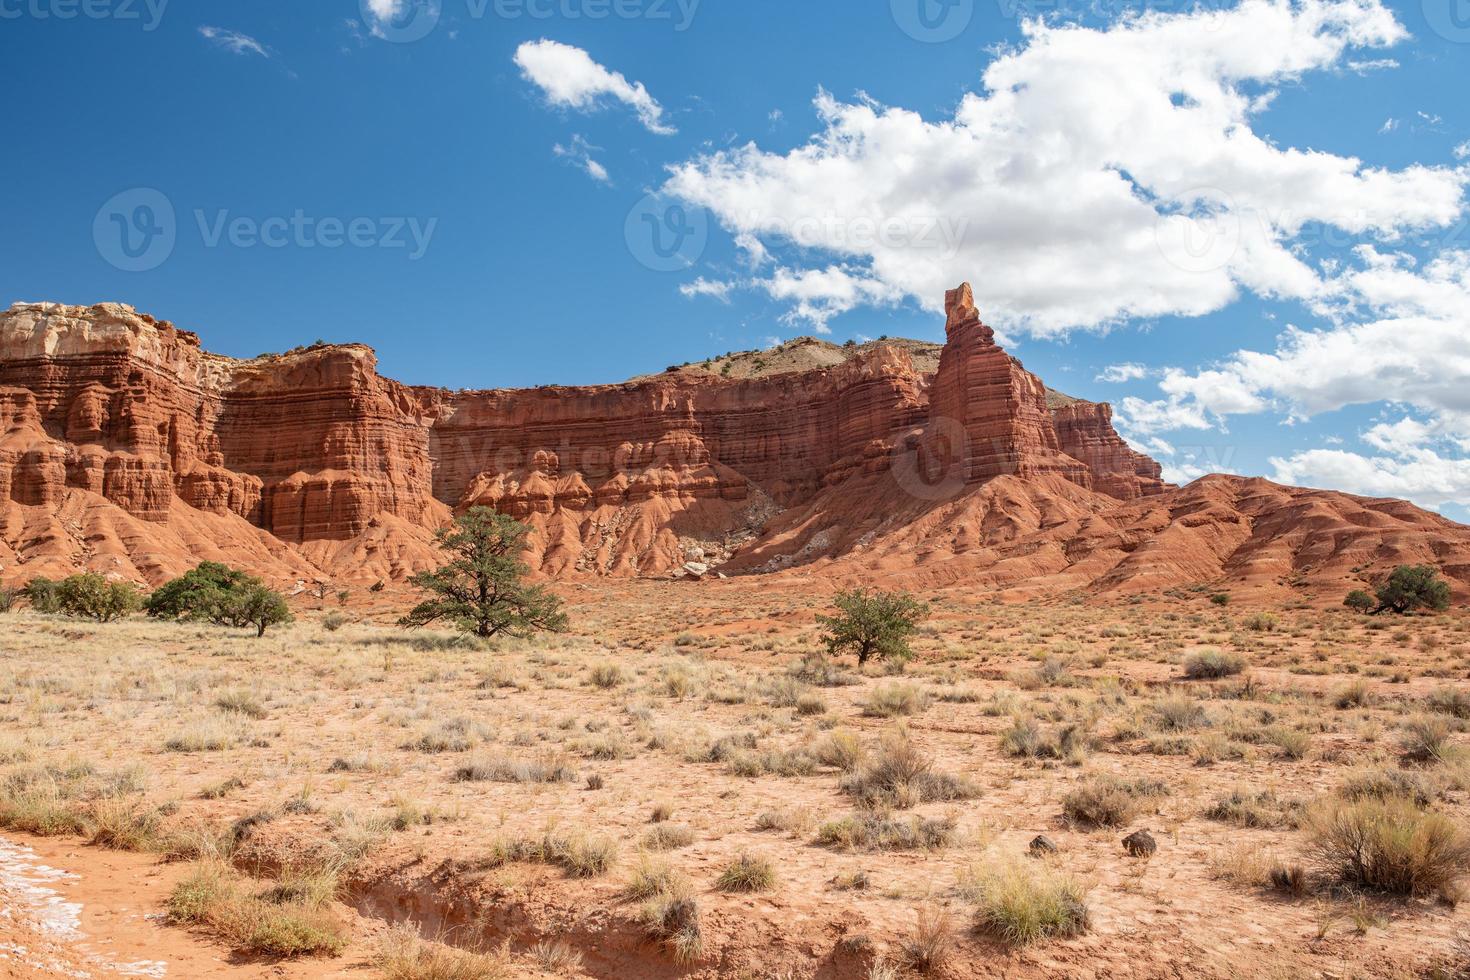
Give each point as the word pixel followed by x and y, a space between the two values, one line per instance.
pixel 103 406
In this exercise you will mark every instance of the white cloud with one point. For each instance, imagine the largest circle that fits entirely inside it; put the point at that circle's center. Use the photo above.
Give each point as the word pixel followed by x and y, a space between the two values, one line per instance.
pixel 579 153
pixel 571 79
pixel 1101 174
pixel 818 295
pixel 234 42
pixel 1425 477
pixel 1462 151
pixel 714 289
pixel 1389 125
pixel 1120 373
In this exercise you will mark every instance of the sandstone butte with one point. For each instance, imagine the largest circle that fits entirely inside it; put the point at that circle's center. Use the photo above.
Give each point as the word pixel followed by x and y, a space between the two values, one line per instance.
pixel 129 450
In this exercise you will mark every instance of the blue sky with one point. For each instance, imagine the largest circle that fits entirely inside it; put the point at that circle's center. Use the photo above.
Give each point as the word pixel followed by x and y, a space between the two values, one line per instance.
pixel 1155 200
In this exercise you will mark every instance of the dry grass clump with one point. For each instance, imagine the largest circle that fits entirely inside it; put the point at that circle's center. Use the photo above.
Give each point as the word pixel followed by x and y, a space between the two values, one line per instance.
pixel 1027 739
pixel 1023 904
pixel 1389 845
pixel 872 831
pixel 548 768
pixel 289 920
pixel 839 750
pixel 1385 784
pixel 771 762
pixel 1258 810
pixel 668 837
pixel 1212 665
pixel 820 671
pixel 1179 712
pixel 241 703
pixel 210 733
pixel 1426 739
pixel 672 917
pixel 747 873
pixel 51 801
pixel 1108 801
pixel 652 876
pixel 932 944
pixel 579 854
pixel 404 955
pixel 900 775
pixel 895 699
pixel 1449 701
pixel 607 675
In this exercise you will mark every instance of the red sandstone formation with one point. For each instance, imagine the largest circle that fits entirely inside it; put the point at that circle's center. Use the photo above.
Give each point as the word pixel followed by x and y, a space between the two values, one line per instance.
pixel 125 448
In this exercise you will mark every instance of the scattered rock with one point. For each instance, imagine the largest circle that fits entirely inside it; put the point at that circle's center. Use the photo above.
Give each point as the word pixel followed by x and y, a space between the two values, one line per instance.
pixel 1042 845
pixel 1140 843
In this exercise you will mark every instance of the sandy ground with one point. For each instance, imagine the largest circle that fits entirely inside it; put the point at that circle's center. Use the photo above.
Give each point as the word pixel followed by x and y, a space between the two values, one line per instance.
pixel 688 704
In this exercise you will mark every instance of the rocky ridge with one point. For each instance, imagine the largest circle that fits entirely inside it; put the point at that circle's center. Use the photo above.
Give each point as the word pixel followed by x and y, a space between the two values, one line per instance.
pixel 127 448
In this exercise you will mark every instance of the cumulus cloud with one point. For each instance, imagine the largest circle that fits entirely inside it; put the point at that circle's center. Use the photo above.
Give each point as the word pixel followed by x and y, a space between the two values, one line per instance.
pixel 1141 193
pixel 1411 349
pixel 234 42
pixel 568 77
pixel 1424 477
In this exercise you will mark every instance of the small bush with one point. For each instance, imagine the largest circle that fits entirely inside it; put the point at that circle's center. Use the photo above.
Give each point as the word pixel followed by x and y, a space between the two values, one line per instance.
pixel 1029 740
pixel 405 955
pixel 870 831
pixel 1020 905
pixel 668 837
pixel 672 917
pixel 1107 801
pixel 1244 808
pixel 1449 701
pixel 1390 845
pixel 607 676
pixel 578 854
pixel 895 699
pixel 1212 665
pixel 1360 602
pixel 92 596
pixel 747 873
pixel 1179 713
pixel 1388 784
pixel 282 923
pixel 550 768
pixel 900 775
pixel 1426 738
pixel 839 750
pixel 932 945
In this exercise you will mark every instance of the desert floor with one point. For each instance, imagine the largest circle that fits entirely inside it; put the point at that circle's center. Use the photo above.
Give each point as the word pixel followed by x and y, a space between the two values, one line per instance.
pixel 346 799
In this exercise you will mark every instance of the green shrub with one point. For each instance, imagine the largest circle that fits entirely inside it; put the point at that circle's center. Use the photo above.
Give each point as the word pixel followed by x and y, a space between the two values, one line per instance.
pixel 869 625
pixel 91 596
pixel 747 873
pixel 1359 601
pixel 1108 801
pixel 1413 587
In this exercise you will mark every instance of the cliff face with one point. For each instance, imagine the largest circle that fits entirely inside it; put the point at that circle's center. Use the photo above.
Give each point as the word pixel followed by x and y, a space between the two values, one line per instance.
pixel 126 448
